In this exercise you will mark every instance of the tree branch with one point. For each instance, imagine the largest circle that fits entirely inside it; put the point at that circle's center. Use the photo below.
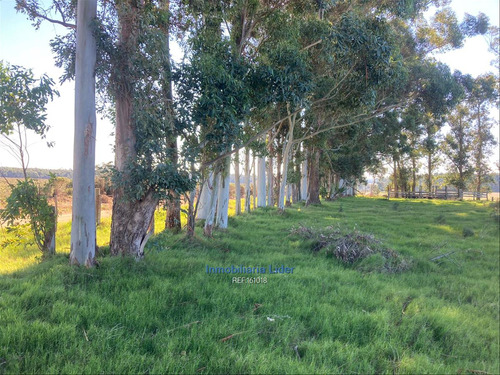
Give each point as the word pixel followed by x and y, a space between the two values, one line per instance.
pixel 33 12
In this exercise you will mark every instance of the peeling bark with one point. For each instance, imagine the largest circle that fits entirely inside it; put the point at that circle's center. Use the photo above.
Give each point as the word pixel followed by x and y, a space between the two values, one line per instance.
pixel 205 197
pixel 209 221
pixel 131 218
pixel 130 224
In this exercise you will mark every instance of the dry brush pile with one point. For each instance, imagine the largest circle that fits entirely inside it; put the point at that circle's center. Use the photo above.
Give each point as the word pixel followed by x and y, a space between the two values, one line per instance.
pixel 364 251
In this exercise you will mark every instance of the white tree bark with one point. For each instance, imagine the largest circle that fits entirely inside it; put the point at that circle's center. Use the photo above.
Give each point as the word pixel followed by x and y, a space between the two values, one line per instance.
pixel 287 149
pixel 223 199
pixel 210 219
pixel 270 182
pixel 83 235
pixel 237 195
pixel 254 180
pixel 341 185
pixel 261 182
pixel 247 180
pixel 303 180
pixel 205 198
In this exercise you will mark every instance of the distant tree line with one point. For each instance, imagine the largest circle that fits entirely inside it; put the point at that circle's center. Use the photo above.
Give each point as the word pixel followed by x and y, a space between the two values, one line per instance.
pixel 35 172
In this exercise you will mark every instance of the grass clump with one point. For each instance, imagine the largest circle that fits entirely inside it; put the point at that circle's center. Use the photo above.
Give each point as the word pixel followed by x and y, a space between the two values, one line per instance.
pixel 353 247
pixel 467 232
pixel 440 219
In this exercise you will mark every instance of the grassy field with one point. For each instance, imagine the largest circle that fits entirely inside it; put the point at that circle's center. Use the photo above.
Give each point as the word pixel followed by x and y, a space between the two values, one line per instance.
pixel 166 314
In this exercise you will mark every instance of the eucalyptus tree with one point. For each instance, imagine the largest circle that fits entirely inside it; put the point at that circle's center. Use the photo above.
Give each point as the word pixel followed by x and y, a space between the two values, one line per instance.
pixel 83 223
pixel 437 91
pixel 361 78
pixel 131 76
pixel 481 94
pixel 457 146
pixel 83 231
pixel 289 78
pixel 212 102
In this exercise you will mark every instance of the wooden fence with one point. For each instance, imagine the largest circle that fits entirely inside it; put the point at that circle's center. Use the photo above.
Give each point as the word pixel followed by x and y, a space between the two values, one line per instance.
pixel 446 193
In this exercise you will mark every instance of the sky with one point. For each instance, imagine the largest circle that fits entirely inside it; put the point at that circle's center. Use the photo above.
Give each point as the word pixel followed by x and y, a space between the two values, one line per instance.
pixel 21 44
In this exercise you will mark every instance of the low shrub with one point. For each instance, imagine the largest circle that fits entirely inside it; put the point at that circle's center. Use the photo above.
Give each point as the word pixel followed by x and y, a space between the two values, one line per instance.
pixel 467 232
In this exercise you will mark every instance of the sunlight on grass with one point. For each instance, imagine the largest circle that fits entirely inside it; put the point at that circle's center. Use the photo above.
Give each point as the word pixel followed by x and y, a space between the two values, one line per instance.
pixel 445 228
pixel 165 314
pixel 16 258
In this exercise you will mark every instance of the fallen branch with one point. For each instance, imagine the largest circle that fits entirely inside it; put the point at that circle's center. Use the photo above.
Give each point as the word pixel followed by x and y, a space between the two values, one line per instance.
pixel 257 306
pixel 405 304
pixel 296 348
pixel 85 334
pixel 231 336
pixel 442 256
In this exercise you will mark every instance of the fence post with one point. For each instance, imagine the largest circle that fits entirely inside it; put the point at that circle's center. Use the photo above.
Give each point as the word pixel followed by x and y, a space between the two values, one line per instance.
pixel 446 192
pixel 388 191
pixel 460 194
pixel 98 206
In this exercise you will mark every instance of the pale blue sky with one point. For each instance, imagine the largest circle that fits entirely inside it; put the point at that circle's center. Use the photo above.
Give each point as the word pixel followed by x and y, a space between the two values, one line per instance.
pixel 21 44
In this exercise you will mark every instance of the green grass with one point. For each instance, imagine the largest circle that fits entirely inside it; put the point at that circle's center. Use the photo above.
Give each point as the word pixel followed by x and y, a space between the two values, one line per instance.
pixel 165 314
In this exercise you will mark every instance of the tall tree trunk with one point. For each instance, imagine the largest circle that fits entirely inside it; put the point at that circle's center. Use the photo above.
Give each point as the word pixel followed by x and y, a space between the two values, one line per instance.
pixel 191 211
pixel 270 182
pixel 247 180
pixel 205 197
pixel 237 182
pixel 313 177
pixel 429 172
pixel 261 183
pixel 402 182
pixel 130 224
pixel 131 218
pixel 479 166
pixel 173 217
pixel 330 185
pixel 210 220
pixel 223 198
pixel 83 234
pixel 254 170
pixel 461 179
pixel 277 181
pixel 414 174
pixel 288 195
pixel 395 177
pixel 304 179
pixel 287 150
